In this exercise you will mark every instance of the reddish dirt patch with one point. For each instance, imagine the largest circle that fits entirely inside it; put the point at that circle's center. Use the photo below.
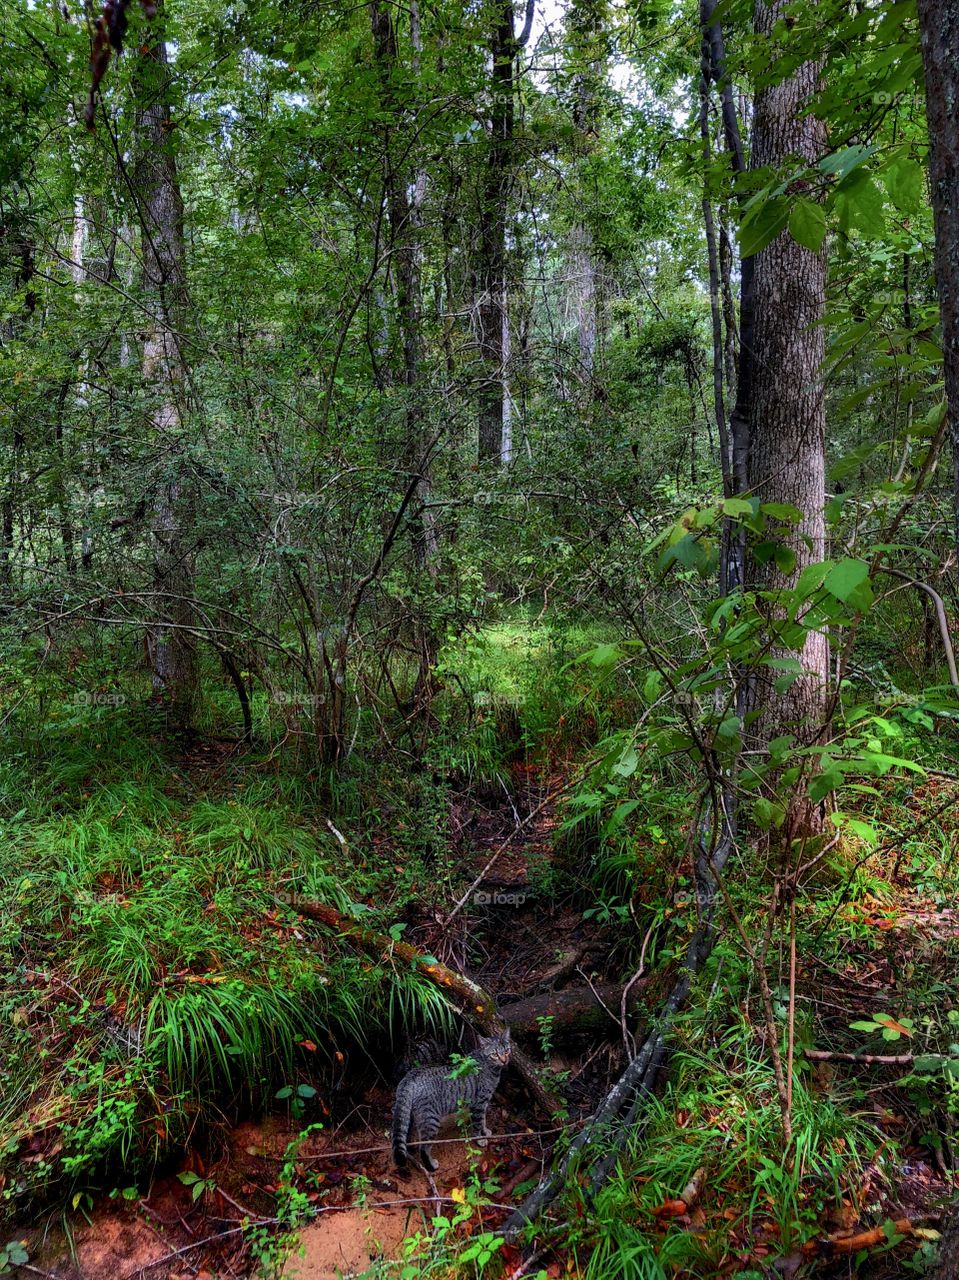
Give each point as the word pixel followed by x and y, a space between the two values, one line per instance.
pixel 348 1241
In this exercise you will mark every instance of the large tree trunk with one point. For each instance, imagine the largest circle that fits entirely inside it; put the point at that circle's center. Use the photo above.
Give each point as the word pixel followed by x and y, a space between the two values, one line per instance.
pixel 939 30
pixel 171 647
pixel 788 411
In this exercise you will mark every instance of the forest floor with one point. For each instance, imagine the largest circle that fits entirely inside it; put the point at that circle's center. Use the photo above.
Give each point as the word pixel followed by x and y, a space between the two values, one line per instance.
pixel 515 939
pixel 365 1209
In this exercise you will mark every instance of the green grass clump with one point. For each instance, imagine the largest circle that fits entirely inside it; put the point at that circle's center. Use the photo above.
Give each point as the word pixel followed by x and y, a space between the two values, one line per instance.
pixel 720 1114
pixel 153 976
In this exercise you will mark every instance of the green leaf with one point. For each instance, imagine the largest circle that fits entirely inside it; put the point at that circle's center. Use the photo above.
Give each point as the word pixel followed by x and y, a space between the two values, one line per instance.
pixel 738 507
pixel 785 558
pixel 768 814
pixel 843 579
pixel 619 816
pixel 807 224
pixel 905 184
pixel 860 205
pixel 843 162
pixel 811 579
pixel 762 225
pixel 782 683
pixel 823 784
pixel 604 655
pixel 864 830
pixel 784 511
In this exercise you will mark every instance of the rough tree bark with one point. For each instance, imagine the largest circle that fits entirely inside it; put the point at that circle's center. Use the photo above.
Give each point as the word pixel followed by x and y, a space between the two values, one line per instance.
pixel 171 648
pixel 788 410
pixel 939 32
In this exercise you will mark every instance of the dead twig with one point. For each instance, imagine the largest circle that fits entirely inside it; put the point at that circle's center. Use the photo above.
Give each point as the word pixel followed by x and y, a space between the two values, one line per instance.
pixel 884 1059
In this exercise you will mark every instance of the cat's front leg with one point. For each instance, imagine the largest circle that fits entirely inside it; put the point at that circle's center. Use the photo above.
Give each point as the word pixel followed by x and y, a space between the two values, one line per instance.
pixel 480 1128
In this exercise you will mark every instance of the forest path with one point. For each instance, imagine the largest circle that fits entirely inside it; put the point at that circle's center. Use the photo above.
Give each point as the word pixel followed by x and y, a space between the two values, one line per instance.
pixel 508 937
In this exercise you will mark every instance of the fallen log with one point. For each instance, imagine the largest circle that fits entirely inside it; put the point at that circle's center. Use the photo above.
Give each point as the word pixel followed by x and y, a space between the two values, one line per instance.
pixel 479 1007
pixel 573 1009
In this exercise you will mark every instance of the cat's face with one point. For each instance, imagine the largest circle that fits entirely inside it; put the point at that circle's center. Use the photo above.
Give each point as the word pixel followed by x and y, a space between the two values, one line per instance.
pixel 496 1049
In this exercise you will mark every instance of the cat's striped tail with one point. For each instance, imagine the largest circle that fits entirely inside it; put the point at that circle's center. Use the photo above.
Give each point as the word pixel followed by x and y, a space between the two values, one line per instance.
pixel 402 1117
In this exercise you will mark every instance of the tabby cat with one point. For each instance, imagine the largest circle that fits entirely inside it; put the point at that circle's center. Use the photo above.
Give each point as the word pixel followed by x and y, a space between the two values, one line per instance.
pixel 428 1094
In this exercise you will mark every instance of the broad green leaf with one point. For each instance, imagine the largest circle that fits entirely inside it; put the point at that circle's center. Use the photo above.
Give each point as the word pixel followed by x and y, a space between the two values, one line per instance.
pixel 860 205
pixel 811 579
pixel 768 814
pixel 785 558
pixel 604 655
pixel 843 579
pixel 762 225
pixel 784 511
pixel 905 183
pixel 619 815
pixel 652 686
pixel 807 224
pixel 844 161
pixel 738 507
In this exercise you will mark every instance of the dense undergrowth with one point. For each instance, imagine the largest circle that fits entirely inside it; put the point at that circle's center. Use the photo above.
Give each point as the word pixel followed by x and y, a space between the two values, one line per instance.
pixel 156 984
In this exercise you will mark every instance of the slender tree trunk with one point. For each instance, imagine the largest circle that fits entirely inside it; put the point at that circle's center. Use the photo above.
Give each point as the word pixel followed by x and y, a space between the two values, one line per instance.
pixel 714 55
pixel 491 312
pixel 171 647
pixel 788 409
pixel 939 31
pixel 403 213
pixel 715 304
pixel 585 28
pixel 18 253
